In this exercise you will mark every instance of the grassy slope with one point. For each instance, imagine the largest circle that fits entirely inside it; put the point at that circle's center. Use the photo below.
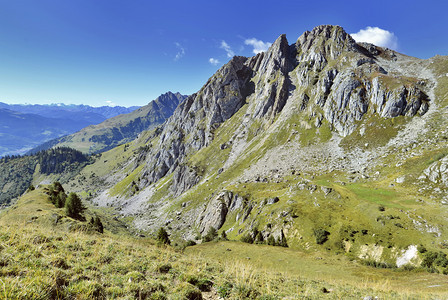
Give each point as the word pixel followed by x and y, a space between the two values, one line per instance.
pixel 43 260
pixel 335 273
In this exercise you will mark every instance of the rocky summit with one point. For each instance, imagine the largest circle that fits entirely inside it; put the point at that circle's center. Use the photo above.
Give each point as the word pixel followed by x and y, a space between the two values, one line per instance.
pixel 324 143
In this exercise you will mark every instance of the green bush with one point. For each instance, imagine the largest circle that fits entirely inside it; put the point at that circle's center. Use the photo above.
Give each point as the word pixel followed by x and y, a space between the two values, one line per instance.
pixel 432 259
pixel 60 200
pixel 321 235
pixel 377 264
pixel 421 248
pixel 258 237
pixel 202 283
pixel 96 223
pixel 247 238
pixel 188 292
pixel 224 290
pixel 190 243
pixel 162 237
pixel 57 194
pixel 210 236
pixel 224 236
pixel 282 242
pixel 164 268
pixel 409 267
pixel 245 292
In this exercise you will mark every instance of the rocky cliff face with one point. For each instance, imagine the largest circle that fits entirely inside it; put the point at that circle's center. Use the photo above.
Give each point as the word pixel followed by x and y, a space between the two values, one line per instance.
pixel 193 123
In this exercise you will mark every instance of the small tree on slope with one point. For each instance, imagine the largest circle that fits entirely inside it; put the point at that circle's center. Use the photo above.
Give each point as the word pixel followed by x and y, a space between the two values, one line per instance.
pixel 73 206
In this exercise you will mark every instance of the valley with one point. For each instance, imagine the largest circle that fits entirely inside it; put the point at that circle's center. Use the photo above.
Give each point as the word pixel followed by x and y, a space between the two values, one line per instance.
pixel 24 127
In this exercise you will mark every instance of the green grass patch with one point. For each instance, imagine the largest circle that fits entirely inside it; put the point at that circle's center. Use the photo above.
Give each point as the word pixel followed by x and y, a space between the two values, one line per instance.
pixel 380 196
pixel 123 187
pixel 345 276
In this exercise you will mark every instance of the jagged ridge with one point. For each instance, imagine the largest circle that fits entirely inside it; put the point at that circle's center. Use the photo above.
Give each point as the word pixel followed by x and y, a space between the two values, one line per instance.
pixel 312 71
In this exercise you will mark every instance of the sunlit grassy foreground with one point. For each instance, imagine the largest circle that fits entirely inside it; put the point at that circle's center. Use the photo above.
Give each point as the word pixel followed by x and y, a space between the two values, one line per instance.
pixel 41 260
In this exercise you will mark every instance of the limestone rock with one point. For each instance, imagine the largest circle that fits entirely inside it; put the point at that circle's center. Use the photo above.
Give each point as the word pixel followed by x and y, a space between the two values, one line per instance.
pixel 215 213
pixel 437 172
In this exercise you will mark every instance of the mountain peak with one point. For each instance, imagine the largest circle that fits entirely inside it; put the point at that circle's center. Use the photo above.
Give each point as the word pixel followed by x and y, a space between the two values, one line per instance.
pixel 326 40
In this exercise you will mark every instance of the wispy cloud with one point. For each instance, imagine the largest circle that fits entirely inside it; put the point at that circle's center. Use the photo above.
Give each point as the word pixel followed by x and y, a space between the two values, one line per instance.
pixel 376 36
pixel 259 46
pixel 180 51
pixel 213 61
pixel 110 103
pixel 227 48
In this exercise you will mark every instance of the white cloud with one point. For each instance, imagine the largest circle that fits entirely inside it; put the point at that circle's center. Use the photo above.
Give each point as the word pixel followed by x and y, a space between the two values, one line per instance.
pixel 213 61
pixel 376 36
pixel 110 103
pixel 180 53
pixel 227 48
pixel 259 46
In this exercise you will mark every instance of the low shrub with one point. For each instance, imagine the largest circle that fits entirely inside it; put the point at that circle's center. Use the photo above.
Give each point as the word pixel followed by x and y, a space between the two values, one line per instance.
pixel 377 264
pixel 211 235
pixel 321 235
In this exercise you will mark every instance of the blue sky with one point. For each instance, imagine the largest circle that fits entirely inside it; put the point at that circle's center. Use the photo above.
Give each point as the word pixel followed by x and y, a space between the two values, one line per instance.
pixel 128 52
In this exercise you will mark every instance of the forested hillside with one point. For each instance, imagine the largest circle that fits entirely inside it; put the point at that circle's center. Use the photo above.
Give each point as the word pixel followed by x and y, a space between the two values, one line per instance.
pixel 17 172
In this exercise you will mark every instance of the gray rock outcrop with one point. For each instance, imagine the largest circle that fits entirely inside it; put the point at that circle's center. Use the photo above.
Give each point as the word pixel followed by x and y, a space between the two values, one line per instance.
pixel 437 172
pixel 215 213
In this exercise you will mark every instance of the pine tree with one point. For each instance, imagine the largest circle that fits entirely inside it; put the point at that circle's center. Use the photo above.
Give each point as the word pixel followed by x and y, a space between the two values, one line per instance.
pixel 60 200
pixel 210 236
pixel 271 240
pixel 162 237
pixel 74 206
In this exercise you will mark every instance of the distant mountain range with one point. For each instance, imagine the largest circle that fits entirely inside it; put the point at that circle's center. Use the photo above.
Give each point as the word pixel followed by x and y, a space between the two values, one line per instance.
pixel 23 127
pixel 119 129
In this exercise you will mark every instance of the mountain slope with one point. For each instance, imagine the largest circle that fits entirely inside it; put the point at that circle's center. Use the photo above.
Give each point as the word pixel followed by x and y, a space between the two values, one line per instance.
pixel 19 173
pixel 119 129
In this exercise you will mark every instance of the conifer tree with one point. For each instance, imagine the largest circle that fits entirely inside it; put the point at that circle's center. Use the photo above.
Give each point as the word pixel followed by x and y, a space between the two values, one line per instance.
pixel 60 200
pixel 74 206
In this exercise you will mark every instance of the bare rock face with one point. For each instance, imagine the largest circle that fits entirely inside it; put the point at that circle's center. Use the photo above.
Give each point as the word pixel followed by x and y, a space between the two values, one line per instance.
pixel 192 125
pixel 184 178
pixel 437 172
pixel 215 213
pixel 356 84
pixel 273 81
pixel 323 43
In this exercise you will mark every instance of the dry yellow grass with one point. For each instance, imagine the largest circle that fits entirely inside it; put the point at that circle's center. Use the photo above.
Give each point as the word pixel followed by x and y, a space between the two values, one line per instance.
pixel 41 260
